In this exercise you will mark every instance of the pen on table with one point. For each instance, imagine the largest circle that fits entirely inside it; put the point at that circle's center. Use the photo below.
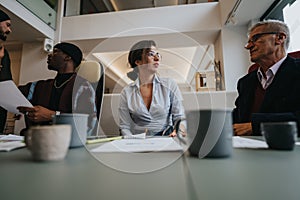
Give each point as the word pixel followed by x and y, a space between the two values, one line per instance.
pixel 103 140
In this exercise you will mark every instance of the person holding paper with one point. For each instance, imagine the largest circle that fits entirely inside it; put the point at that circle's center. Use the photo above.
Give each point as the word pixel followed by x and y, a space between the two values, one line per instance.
pixel 5 71
pixel 275 86
pixel 150 104
pixel 66 93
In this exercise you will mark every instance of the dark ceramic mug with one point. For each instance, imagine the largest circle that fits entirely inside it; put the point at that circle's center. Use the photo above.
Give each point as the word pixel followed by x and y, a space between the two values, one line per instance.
pixel 210 133
pixel 280 135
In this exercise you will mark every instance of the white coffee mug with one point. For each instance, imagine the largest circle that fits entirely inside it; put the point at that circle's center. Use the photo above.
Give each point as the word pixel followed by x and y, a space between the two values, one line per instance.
pixel 48 143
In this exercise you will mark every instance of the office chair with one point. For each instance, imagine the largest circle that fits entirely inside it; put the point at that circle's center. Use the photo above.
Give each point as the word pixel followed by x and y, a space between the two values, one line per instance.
pixel 90 70
pixel 93 72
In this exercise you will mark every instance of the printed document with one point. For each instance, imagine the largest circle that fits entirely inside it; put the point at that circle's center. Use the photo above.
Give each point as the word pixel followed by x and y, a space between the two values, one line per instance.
pixel 153 144
pixel 11 97
pixel 241 142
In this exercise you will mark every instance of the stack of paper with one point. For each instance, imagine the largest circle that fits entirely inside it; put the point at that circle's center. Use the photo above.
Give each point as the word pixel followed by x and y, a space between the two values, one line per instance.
pixel 140 145
pixel 11 142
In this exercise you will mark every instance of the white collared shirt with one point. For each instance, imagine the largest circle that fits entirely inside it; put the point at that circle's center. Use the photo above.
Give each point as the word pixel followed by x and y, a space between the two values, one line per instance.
pixel 166 106
pixel 270 74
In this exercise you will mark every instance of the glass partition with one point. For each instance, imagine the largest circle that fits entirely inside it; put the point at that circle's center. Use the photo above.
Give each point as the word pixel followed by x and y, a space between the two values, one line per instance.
pixel 44 9
pixel 81 7
pixel 291 17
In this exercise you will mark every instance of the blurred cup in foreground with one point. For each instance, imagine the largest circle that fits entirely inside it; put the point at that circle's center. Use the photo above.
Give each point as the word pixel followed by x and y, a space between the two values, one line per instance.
pixel 280 135
pixel 79 124
pixel 210 133
pixel 48 143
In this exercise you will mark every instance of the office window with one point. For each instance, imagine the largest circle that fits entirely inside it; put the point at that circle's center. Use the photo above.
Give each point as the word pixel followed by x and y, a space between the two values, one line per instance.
pixel 292 18
pixel 287 11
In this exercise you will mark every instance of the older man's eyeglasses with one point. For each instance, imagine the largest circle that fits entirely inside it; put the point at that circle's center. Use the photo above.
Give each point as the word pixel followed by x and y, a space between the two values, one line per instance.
pixel 255 37
pixel 153 54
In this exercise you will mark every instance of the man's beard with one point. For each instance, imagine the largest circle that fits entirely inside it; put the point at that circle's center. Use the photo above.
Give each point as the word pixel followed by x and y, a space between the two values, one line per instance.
pixel 2 36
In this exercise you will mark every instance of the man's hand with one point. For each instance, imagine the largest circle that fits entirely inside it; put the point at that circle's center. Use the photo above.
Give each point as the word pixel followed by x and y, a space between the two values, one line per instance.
pixel 37 113
pixel 1 51
pixel 242 129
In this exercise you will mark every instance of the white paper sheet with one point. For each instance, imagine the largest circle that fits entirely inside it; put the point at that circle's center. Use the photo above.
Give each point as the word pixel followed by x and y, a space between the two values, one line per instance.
pixel 140 145
pixel 11 137
pixel 137 136
pixel 241 142
pixel 9 146
pixel 11 97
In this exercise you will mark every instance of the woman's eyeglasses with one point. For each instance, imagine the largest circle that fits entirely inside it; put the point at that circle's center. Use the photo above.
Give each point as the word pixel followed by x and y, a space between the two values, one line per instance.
pixel 153 54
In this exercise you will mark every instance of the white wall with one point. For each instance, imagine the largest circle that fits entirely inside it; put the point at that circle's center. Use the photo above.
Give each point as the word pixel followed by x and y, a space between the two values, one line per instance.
pixel 235 56
pixel 34 63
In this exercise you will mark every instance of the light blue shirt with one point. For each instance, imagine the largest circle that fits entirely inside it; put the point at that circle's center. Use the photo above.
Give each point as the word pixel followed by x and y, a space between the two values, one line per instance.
pixel 166 107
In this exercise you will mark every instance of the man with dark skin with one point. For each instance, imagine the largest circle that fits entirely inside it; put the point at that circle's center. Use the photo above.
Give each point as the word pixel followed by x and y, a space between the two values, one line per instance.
pixel 66 93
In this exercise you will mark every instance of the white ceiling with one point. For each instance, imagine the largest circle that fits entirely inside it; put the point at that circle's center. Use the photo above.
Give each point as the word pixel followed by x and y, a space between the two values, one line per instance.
pixel 248 9
pixel 251 10
pixel 184 57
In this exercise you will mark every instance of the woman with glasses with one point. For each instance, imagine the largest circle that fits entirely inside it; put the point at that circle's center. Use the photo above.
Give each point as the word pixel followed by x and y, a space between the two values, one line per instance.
pixel 150 104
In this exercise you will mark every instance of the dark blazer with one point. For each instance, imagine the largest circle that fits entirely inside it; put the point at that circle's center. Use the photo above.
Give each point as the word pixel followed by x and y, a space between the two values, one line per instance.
pixel 5 74
pixel 283 95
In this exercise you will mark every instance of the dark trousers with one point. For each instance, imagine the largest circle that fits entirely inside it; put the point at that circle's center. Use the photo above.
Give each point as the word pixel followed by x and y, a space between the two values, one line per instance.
pixel 3 114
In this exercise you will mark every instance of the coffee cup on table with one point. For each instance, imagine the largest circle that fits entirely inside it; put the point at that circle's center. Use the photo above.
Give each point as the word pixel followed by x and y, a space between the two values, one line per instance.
pixel 209 133
pixel 280 135
pixel 79 124
pixel 48 143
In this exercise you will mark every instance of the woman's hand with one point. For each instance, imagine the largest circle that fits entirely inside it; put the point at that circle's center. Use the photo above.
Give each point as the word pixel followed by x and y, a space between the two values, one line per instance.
pixel 181 130
pixel 173 134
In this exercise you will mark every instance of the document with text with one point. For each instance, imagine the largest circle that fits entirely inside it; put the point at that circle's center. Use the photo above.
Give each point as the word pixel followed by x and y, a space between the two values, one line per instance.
pixel 11 97
pixel 241 142
pixel 140 145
